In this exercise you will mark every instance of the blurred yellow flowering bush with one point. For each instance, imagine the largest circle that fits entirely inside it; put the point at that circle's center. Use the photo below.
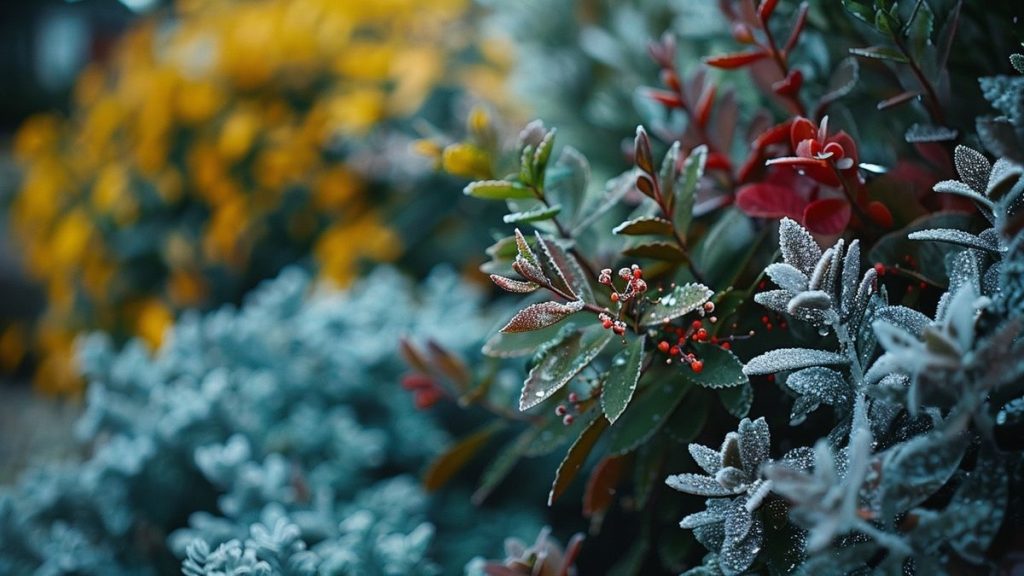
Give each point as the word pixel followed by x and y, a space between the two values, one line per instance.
pixel 217 145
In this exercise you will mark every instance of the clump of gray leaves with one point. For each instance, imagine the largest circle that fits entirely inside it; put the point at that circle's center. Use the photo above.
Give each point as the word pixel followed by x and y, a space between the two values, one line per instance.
pixel 270 439
pixel 916 473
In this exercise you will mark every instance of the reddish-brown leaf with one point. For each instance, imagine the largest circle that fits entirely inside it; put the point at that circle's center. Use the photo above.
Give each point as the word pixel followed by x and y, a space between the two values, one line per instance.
pixel 763 200
pixel 827 216
pixel 412 356
pixel 642 151
pixel 515 286
pixel 736 60
pixel 448 464
pixel 798 27
pixel 576 457
pixel 764 11
pixel 600 492
pixel 539 315
pixel 898 99
pixel 645 185
pixel 706 103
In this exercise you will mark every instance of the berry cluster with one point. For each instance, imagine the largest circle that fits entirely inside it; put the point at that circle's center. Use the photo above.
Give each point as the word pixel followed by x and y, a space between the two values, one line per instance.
pixel 635 284
pixel 566 411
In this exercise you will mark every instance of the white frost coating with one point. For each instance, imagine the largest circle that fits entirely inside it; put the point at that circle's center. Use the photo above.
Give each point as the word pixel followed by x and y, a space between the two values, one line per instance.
pixel 787 277
pixel 953 236
pixel 798 246
pixel 536 316
pixel 791 359
pixel 973 167
pixel 851 270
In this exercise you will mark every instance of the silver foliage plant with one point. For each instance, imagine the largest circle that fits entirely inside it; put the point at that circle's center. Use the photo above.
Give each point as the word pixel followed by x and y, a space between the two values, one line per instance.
pixel 269 439
pixel 914 472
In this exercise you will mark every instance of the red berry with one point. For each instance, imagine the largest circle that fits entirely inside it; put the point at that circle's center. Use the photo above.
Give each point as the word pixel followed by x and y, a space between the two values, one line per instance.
pixel 697 366
pixel 880 269
pixel 567 420
pixel 663 346
pixel 638 273
pixel 701 335
pixel 726 346
pixel 615 296
pixel 574 397
pixel 606 324
pixel 560 410
pixel 674 350
pixel 697 324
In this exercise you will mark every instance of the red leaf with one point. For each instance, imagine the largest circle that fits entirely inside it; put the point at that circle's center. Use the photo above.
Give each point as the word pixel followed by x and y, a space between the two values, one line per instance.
pixel 717 161
pixel 828 216
pixel 773 135
pixel 665 97
pixel 600 492
pixel 645 185
pixel 790 85
pixel 763 200
pixel 574 459
pixel 880 214
pixel 737 60
pixel 704 105
pixel 764 11
pixel 537 316
pixel 798 27
pixel 802 129
pixel 642 151
pixel 897 99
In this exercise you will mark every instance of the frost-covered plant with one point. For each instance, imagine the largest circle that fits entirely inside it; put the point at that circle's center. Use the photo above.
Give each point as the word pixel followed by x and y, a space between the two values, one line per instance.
pixel 639 296
pixel 268 439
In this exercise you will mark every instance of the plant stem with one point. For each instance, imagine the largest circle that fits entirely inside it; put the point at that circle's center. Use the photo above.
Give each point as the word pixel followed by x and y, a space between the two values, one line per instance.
pixel 783 66
pixel 932 103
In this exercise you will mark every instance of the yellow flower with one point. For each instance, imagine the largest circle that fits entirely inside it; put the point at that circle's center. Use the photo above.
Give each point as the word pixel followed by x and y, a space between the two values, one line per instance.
pixel 153 320
pixel 467 160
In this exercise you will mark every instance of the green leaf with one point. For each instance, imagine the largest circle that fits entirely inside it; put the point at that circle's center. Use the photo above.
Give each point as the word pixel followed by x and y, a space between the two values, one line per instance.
pixel 577 456
pixel 693 171
pixel 455 458
pixel 516 344
pixel 722 369
pixel 536 215
pixel 651 225
pixel 503 463
pixel 738 400
pixel 543 153
pixel 566 183
pixel 725 245
pixel 647 413
pixel 679 301
pixel 689 418
pixel 623 375
pixel 553 433
pixel 916 469
pixel 667 175
pixel 919 29
pixel 498 190
pixel 657 251
pixel 565 271
pixel 862 10
pixel 562 363
pixel 879 53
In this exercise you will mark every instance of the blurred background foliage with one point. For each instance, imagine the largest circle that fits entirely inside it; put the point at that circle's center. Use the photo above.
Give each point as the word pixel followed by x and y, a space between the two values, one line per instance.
pixel 217 141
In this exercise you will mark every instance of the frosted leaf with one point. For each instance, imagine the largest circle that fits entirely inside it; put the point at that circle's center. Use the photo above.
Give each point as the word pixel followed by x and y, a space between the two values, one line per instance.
pixel 821 271
pixel 802 406
pixel 809 302
pixel 973 167
pixel 958 237
pixel 566 268
pixel 798 246
pixel 541 315
pixel 731 478
pixel 864 292
pixel 730 450
pixel 704 518
pixel 738 521
pixel 834 270
pixel 755 441
pixel 561 364
pixel 622 378
pixel 906 318
pixel 699 485
pixel 1004 175
pixel 961 189
pixel 515 286
pixel 737 556
pixel 775 300
pixel 977 509
pixel 784 359
pixel 678 302
pixel 529 271
pixel 851 270
pixel 929 133
pixel 787 277
pixel 824 385
pixel 916 469
pixel 708 459
pixel 524 249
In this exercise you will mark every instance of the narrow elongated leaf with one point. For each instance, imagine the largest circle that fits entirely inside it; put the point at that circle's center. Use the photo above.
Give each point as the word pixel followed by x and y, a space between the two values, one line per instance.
pixel 540 315
pixel 515 286
pixel 543 152
pixel 693 171
pixel 536 215
pixel 669 167
pixel 498 190
pixel 646 225
pixel 622 378
pixel 736 60
pixel 600 492
pixel 879 53
pixel 784 359
pixel 525 252
pixel 646 414
pixel 698 485
pixel 929 133
pixel 798 247
pixel 516 344
pixel 577 456
pixel 561 363
pixel 449 463
pixel 656 250
pixel 503 463
pixel 916 469
pixel 958 237
pixel 679 301
pixel 566 268
pixel 961 189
